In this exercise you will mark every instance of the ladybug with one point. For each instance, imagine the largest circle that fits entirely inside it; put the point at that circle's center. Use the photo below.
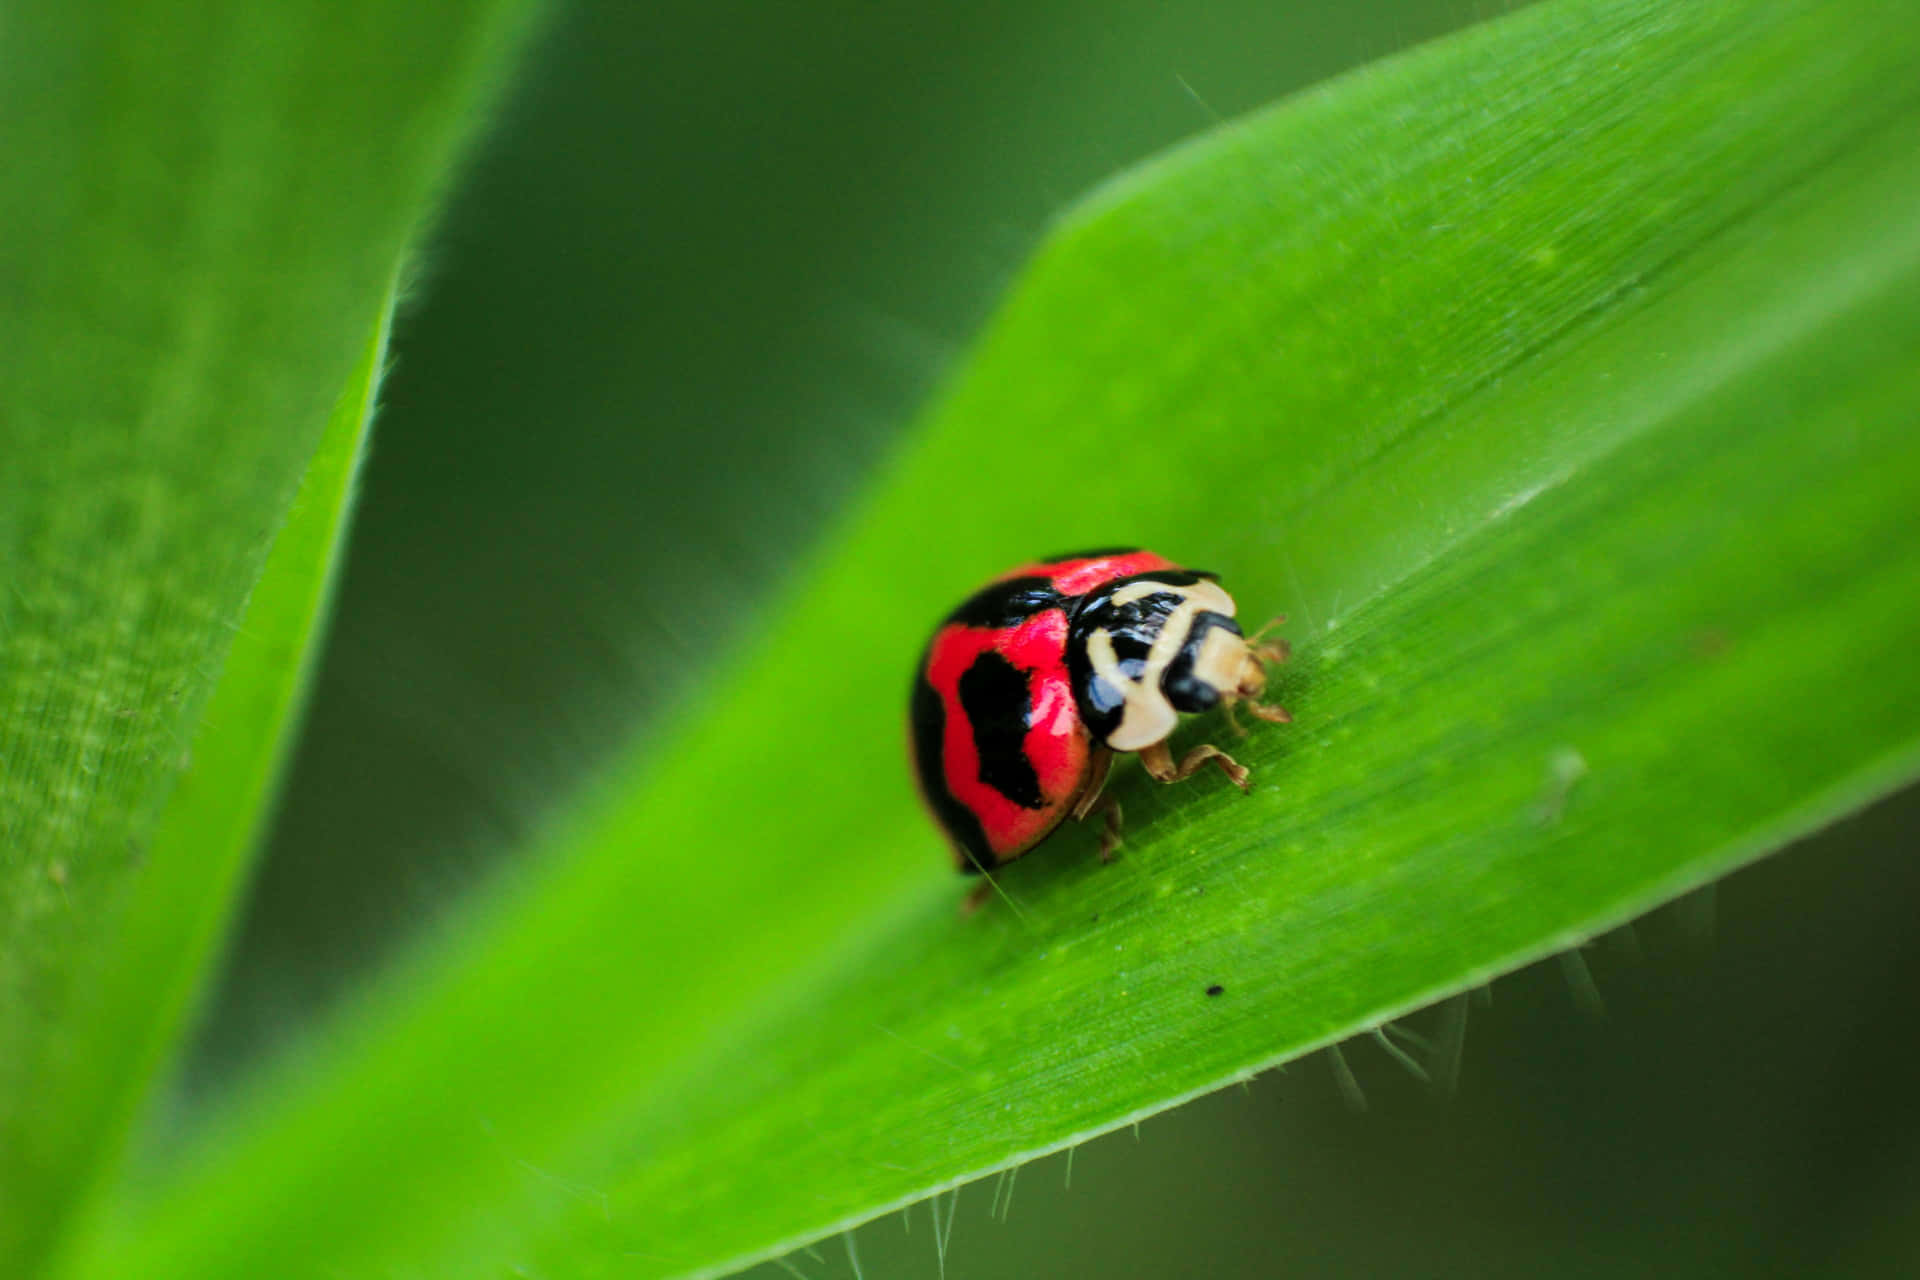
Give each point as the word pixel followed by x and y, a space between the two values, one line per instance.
pixel 1028 689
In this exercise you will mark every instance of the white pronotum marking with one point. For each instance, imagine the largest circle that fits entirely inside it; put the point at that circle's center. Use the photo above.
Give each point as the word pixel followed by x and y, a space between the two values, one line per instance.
pixel 1146 717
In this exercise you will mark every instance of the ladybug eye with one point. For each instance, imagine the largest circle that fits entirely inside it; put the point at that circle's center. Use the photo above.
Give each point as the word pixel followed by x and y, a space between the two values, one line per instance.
pixel 1187 693
pixel 1207 664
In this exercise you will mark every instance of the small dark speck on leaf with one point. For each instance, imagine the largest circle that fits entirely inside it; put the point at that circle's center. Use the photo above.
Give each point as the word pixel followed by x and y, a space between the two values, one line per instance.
pixel 1094 918
pixel 1215 989
pixel 1712 642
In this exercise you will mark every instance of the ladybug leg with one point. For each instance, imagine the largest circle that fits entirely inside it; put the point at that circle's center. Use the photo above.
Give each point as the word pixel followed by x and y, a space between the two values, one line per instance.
pixel 1096 781
pixel 1268 651
pixel 1110 828
pixel 976 898
pixel 1160 766
pixel 1093 800
pixel 1271 712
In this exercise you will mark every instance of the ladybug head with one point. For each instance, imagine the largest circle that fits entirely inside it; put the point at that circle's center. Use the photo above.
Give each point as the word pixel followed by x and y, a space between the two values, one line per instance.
pixel 1145 649
pixel 1214 665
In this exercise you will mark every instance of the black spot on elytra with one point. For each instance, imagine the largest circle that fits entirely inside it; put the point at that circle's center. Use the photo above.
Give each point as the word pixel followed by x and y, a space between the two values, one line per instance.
pixel 994 694
pixel 1215 989
pixel 1006 604
pixel 929 719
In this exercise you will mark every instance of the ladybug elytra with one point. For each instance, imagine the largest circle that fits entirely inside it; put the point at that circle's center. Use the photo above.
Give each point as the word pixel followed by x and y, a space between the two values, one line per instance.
pixel 1028 689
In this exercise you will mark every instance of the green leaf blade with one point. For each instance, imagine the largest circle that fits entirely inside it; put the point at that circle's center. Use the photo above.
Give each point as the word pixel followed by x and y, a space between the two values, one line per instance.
pixel 205 205
pixel 143 982
pixel 1556 379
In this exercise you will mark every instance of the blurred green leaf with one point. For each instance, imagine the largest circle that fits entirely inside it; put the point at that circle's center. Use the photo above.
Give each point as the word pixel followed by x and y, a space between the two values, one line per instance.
pixel 145 977
pixel 1557 379
pixel 204 208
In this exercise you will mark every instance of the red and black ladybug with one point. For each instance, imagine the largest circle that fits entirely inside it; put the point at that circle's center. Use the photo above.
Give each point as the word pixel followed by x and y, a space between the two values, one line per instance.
pixel 1030 686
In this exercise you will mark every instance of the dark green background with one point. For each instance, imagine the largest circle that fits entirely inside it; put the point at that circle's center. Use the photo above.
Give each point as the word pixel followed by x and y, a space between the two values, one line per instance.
pixel 709 262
